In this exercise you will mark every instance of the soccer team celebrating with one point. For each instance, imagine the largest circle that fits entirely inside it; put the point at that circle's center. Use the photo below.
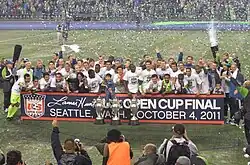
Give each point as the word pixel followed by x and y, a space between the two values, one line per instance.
pixel 157 76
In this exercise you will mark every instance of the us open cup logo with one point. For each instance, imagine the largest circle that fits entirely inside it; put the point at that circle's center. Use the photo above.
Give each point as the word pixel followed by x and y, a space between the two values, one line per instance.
pixel 34 105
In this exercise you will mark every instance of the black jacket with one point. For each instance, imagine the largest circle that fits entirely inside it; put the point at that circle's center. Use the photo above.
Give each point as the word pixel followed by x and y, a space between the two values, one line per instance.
pixel 8 80
pixel 246 106
pixel 81 159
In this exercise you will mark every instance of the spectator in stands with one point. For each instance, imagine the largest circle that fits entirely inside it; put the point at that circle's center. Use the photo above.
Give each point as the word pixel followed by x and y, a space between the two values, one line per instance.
pixel 179 137
pixel 72 152
pixel 14 157
pixel 23 84
pixel 150 157
pixel 116 149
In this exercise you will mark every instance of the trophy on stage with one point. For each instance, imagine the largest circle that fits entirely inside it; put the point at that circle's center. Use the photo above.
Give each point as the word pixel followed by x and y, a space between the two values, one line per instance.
pixel 115 105
pixel 98 105
pixel 134 109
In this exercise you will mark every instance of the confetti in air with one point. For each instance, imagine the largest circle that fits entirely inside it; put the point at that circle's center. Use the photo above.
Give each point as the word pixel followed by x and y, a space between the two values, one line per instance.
pixel 73 47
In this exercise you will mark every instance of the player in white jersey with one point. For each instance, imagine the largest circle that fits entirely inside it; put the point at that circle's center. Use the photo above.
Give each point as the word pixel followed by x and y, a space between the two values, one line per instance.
pixel 163 70
pixel 58 83
pixel 145 77
pixel 44 83
pixel 23 84
pixel 66 71
pixel 154 85
pixel 131 78
pixel 194 82
pixel 107 69
pixel 94 81
pixel 175 71
pixel 26 70
pixel 202 73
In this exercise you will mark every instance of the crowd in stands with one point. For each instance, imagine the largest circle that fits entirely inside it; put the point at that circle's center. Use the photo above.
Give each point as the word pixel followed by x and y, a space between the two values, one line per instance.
pixel 128 9
pixel 116 150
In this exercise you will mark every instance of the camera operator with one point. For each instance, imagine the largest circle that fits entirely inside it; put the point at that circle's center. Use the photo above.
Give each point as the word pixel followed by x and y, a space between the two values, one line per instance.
pixel 73 152
pixel 115 149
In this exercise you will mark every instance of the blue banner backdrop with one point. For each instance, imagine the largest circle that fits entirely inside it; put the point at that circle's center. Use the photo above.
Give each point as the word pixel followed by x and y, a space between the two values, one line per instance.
pixel 152 109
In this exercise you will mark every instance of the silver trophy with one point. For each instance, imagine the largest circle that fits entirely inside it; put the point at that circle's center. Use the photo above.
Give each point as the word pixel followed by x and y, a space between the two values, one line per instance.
pixel 134 109
pixel 98 105
pixel 115 106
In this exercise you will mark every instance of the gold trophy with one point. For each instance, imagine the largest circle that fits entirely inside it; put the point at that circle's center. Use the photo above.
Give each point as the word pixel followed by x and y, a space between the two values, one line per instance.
pixel 98 105
pixel 134 109
pixel 115 106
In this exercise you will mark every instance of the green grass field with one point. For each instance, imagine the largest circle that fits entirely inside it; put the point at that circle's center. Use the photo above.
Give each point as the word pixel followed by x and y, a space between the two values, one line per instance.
pixel 221 145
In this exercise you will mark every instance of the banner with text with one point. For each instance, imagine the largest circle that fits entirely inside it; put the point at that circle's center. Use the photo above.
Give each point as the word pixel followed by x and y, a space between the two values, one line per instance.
pixel 152 109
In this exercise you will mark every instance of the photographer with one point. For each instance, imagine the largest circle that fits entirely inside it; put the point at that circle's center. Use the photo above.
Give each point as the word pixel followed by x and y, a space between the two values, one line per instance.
pixel 73 153
pixel 178 145
pixel 115 149
pixel 14 157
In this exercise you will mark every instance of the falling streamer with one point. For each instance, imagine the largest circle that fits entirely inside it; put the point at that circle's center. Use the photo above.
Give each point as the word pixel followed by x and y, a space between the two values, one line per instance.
pixel 212 35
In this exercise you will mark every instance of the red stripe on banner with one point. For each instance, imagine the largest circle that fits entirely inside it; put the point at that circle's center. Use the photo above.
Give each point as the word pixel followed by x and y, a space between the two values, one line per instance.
pixel 126 95
pixel 215 122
